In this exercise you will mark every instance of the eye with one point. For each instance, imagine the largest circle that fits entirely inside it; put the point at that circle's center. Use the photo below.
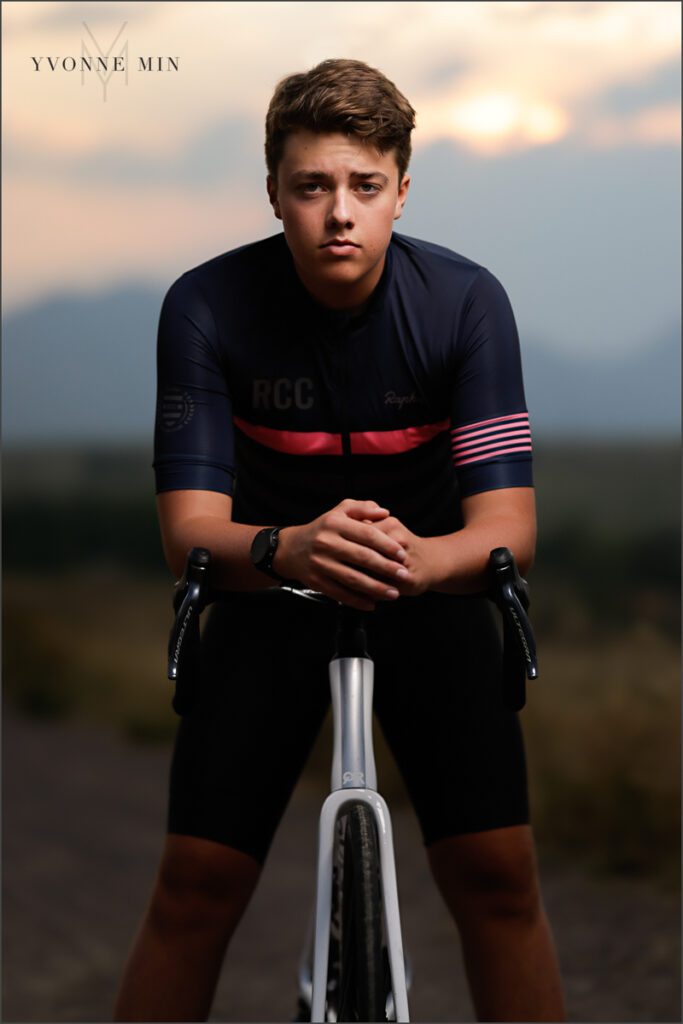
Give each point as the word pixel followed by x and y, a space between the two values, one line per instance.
pixel 309 186
pixel 368 188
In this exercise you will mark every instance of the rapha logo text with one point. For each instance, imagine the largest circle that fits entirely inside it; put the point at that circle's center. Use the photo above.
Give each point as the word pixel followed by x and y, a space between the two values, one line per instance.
pixel 391 398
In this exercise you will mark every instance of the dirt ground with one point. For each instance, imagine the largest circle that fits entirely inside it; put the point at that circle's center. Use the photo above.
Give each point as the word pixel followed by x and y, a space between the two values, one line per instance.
pixel 83 827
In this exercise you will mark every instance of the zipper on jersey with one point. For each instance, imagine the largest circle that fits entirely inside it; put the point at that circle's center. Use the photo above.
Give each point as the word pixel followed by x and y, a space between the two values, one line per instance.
pixel 341 334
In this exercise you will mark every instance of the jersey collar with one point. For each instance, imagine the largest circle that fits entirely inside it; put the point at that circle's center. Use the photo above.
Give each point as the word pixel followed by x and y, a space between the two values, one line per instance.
pixel 335 320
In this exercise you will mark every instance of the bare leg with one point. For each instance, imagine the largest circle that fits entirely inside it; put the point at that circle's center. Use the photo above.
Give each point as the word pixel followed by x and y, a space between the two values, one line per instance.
pixel 490 884
pixel 201 892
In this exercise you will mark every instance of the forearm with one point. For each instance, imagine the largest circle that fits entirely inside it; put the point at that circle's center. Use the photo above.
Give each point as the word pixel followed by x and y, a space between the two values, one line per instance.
pixel 459 560
pixel 230 546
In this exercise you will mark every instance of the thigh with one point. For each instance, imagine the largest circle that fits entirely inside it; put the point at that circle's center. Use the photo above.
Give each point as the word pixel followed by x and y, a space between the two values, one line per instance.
pixel 263 693
pixel 439 703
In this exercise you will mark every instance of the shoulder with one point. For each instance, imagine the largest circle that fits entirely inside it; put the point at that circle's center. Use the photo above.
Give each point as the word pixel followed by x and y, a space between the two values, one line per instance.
pixel 444 273
pixel 230 271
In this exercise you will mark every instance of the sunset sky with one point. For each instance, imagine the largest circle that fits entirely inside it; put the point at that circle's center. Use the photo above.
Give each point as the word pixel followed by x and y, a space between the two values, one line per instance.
pixel 547 144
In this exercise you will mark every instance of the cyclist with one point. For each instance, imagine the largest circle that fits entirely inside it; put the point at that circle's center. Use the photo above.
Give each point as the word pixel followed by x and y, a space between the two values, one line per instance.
pixel 342 405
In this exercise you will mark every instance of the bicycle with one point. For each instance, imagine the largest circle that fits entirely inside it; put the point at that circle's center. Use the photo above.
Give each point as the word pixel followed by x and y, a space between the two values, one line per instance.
pixel 353 967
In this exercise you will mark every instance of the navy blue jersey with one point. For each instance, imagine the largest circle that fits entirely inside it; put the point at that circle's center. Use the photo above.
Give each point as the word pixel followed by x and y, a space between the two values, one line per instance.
pixel 289 406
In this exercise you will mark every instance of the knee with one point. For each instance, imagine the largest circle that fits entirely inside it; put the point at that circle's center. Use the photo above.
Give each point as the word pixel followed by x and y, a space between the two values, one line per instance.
pixel 201 885
pixel 491 876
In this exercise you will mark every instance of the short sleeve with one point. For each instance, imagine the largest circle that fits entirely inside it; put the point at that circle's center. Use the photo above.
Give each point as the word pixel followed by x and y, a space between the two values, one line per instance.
pixel 490 431
pixel 193 433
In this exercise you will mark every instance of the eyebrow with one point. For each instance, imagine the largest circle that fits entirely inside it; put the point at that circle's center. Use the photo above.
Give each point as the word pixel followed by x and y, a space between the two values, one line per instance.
pixel 322 176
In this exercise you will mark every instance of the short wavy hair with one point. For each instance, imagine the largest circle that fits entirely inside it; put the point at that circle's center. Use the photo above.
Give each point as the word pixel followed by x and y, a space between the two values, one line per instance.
pixel 340 96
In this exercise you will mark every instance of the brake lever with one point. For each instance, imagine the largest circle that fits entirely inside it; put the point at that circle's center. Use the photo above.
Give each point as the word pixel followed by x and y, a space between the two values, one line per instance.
pixel 510 592
pixel 190 598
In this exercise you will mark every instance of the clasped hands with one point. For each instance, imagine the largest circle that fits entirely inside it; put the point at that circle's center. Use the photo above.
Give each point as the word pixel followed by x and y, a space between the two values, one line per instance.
pixel 357 553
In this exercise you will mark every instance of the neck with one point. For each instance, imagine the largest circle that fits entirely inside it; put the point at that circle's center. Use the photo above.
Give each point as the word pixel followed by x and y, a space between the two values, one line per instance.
pixel 349 299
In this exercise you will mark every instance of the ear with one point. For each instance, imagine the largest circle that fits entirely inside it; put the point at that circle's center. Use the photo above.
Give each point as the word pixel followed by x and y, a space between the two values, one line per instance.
pixel 402 196
pixel 271 186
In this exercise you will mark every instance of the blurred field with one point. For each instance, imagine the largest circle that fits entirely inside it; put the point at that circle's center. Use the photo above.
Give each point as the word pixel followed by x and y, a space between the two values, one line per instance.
pixel 86 614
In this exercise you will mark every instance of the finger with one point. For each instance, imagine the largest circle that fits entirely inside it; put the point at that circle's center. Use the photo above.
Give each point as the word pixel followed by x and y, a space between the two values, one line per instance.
pixel 371 561
pixel 364 510
pixel 346 596
pixel 356 581
pixel 370 536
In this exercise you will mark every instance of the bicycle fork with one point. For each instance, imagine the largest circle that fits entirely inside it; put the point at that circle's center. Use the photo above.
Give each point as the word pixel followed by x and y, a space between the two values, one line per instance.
pixel 354 779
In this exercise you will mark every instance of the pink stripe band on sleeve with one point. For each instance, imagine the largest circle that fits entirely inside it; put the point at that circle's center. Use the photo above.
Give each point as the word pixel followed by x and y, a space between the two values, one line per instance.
pixel 491 455
pixel 491 439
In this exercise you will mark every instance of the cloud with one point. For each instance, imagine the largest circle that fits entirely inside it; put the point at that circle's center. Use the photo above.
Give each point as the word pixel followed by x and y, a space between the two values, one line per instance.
pixel 492 122
pixel 53 17
pixel 495 76
pixel 173 164
pixel 661 86
pixel 643 109
pixel 446 72
pixel 224 151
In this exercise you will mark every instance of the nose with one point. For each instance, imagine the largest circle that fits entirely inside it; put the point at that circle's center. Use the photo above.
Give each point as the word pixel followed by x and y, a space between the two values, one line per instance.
pixel 339 212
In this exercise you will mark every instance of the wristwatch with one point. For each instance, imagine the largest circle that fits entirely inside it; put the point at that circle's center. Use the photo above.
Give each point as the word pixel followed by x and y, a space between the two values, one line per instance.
pixel 263 548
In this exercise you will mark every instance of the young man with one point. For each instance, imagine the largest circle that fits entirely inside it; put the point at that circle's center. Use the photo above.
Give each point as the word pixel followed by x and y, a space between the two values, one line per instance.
pixel 343 406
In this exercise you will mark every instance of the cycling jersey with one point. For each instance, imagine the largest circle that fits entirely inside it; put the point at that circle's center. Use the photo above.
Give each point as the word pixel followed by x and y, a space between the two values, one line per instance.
pixel 289 406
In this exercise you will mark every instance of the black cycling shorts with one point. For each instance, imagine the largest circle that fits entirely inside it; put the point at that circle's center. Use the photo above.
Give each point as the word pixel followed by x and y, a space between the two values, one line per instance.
pixel 263 693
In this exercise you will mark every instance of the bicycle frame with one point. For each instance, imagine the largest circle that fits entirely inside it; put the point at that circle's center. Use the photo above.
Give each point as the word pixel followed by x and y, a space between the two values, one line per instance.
pixel 354 779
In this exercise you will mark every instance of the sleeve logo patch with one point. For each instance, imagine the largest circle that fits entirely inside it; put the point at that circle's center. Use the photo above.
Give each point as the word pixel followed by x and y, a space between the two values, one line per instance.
pixel 176 409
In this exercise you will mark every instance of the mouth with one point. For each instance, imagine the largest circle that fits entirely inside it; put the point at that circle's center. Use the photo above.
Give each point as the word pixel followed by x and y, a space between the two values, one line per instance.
pixel 340 246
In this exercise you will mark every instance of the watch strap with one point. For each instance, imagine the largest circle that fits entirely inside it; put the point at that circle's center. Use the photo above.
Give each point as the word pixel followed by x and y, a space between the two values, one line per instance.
pixel 265 562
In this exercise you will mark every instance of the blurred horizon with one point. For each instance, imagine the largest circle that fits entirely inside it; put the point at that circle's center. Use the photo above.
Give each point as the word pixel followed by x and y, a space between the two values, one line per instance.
pixel 96 380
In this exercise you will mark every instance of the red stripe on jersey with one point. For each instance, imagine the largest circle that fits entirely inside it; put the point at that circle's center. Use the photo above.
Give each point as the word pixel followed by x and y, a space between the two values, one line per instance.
pixel 370 442
pixel 293 442
pixel 391 442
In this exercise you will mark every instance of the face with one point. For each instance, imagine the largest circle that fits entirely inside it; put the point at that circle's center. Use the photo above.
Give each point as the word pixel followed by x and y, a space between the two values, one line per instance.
pixel 337 198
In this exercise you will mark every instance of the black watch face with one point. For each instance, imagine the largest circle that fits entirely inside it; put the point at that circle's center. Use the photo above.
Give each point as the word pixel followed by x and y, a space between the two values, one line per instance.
pixel 260 546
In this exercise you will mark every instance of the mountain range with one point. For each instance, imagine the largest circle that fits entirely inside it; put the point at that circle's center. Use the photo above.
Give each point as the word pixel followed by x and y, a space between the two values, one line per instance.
pixel 81 368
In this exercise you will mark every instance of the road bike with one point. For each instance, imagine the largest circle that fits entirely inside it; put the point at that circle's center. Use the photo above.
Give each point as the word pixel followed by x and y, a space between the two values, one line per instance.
pixel 353 966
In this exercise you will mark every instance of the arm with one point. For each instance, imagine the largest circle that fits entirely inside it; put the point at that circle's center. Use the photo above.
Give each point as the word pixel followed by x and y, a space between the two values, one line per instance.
pixel 190 519
pixel 315 554
pixel 491 451
pixel 456 563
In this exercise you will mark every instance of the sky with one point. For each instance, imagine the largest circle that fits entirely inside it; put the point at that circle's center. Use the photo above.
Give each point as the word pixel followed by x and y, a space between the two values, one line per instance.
pixel 547 145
